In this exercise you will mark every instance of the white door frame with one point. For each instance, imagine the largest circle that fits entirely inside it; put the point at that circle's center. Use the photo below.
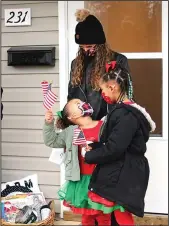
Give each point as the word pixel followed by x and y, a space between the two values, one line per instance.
pixel 165 67
pixel 63 68
pixel 68 49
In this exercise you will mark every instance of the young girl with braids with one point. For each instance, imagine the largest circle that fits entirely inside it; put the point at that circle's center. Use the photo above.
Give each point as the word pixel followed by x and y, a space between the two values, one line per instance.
pixel 75 117
pixel 121 174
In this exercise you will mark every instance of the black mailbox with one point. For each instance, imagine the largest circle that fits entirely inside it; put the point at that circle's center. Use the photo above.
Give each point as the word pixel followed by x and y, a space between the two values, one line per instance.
pixel 24 56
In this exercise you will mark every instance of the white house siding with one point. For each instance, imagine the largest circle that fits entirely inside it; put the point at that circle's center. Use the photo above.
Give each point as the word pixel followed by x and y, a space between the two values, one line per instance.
pixel 23 151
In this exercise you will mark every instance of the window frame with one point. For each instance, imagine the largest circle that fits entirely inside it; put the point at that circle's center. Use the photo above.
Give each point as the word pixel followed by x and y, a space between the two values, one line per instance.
pixel 164 56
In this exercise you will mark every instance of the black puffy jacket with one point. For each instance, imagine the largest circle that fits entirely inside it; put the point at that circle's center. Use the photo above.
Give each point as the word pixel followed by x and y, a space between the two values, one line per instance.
pixel 85 92
pixel 122 171
pixel 1 104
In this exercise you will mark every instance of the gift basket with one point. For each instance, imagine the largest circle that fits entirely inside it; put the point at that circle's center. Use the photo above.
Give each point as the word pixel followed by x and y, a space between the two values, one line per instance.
pixel 23 203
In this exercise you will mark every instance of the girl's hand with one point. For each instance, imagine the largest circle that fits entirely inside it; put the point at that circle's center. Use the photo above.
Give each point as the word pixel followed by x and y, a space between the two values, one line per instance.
pixel 84 150
pixel 88 148
pixel 49 116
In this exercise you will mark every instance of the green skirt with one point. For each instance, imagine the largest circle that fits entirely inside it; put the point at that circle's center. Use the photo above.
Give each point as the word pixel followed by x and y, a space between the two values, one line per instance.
pixel 75 193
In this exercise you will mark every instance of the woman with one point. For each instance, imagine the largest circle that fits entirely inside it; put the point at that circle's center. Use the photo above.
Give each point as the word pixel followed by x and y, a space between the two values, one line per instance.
pixel 89 65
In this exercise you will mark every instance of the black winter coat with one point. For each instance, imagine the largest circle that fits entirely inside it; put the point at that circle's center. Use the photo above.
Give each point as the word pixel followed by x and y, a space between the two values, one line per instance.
pixel 85 92
pixel 122 170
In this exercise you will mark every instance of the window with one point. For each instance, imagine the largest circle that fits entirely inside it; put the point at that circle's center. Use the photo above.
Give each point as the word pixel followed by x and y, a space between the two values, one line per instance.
pixel 147 80
pixel 134 28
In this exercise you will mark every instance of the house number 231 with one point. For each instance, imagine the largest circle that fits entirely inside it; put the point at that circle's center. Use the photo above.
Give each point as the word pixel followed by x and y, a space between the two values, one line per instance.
pixel 17 17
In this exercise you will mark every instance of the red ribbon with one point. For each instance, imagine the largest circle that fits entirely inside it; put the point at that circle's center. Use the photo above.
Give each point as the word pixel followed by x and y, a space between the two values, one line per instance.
pixel 111 65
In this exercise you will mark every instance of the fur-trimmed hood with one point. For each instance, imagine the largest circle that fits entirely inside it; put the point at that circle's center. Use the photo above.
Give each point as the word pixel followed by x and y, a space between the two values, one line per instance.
pixel 147 116
pixel 146 123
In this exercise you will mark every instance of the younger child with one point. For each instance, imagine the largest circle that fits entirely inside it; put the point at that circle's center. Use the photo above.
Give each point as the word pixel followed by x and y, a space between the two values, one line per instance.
pixel 77 172
pixel 122 171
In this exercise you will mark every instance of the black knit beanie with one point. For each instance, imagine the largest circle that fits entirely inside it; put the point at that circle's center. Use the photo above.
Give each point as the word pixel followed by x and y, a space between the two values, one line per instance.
pixel 89 30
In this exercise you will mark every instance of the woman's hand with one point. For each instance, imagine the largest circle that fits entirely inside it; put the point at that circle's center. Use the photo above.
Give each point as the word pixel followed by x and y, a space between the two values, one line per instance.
pixel 49 116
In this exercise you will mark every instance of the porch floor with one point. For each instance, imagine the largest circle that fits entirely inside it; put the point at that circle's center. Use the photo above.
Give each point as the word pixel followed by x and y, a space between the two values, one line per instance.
pixel 62 222
pixel 149 219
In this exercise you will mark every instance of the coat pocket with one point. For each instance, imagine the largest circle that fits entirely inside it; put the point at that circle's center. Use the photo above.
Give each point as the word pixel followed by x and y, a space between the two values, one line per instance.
pixel 107 174
pixel 68 162
pixel 115 172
